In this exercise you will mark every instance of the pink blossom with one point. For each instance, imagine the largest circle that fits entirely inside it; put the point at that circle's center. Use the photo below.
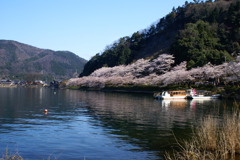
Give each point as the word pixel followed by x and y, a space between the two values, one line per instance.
pixel 158 72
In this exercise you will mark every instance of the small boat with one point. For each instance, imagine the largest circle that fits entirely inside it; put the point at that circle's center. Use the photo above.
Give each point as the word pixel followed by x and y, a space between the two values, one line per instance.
pixel 199 97
pixel 176 94
pixel 188 94
pixel 202 95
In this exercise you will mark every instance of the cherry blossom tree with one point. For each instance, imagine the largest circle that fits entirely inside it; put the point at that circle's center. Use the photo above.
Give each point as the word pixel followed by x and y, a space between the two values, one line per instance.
pixel 233 70
pixel 159 71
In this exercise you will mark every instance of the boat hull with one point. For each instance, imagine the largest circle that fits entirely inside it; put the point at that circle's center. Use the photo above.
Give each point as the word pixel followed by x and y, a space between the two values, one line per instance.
pixel 175 94
pixel 204 97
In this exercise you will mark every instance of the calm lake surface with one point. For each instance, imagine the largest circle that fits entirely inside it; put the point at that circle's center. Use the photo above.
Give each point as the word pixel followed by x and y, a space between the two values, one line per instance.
pixel 84 125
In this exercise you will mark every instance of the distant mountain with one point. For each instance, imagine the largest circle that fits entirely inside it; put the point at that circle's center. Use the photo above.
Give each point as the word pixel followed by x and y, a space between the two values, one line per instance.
pixel 199 32
pixel 22 61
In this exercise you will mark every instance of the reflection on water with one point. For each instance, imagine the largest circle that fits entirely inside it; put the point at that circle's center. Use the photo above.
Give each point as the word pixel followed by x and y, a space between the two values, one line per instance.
pixel 95 125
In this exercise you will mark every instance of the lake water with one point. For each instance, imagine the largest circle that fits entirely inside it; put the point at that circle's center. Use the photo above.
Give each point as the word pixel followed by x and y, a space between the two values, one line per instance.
pixel 84 125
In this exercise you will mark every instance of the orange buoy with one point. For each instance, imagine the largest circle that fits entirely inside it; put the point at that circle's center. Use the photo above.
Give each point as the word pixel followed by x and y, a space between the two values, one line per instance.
pixel 45 111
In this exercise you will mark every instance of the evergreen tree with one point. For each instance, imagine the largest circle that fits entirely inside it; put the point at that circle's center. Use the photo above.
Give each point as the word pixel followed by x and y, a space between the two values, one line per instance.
pixel 199 44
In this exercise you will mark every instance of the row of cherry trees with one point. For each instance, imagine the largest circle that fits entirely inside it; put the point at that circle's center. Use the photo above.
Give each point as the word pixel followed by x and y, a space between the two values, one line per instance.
pixel 159 71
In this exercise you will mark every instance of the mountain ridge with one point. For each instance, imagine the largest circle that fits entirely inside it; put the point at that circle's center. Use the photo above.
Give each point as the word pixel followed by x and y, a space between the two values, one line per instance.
pixel 19 60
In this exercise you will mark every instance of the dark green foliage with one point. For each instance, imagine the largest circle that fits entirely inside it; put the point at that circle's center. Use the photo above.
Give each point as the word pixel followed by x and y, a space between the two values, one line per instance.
pixel 214 38
pixel 93 64
pixel 198 33
pixel 199 44
pixel 119 53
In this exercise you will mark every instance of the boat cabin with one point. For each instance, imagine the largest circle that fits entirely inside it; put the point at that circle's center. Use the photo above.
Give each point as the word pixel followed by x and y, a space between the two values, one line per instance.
pixel 171 94
pixel 177 93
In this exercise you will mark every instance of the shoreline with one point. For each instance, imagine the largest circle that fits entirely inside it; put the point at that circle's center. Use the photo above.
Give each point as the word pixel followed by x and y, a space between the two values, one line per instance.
pixel 19 86
pixel 224 91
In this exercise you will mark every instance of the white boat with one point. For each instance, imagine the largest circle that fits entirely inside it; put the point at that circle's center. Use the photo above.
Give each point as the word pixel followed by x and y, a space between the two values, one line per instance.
pixel 188 94
pixel 201 95
pixel 176 94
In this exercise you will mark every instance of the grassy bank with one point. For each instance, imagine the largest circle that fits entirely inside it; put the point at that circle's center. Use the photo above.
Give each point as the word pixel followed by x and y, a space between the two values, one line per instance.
pixel 214 139
pixel 10 156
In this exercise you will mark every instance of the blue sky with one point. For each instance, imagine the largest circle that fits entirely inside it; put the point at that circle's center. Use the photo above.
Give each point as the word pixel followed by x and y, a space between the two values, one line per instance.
pixel 84 27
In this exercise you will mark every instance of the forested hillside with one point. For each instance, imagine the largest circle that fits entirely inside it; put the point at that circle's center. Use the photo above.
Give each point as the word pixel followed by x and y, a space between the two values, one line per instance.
pixel 198 33
pixel 25 62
